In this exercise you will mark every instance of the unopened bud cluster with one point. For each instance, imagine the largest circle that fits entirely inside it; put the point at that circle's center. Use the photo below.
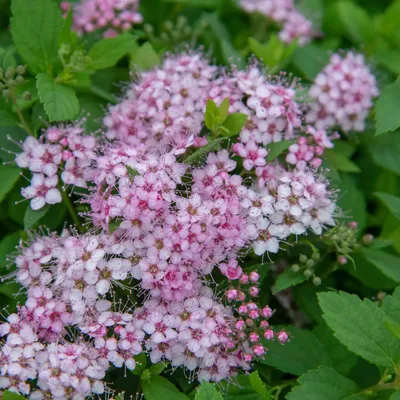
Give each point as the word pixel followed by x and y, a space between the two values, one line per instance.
pixel 306 266
pixel 10 78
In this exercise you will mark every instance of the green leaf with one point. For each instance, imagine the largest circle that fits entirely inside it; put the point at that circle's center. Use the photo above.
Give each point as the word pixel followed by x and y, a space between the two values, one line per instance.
pixel 395 396
pixel 302 57
pixel 360 326
pixel 59 101
pixel 157 388
pixel 302 353
pixel 145 57
pixel 341 162
pixel 66 33
pixel 31 217
pixel 341 358
pixel 391 305
pixel 287 279
pixel 8 177
pixel 210 115
pixel 12 396
pixel 258 385
pixel 131 172
pixel 7 246
pixel 391 202
pixel 387 109
pixel 9 59
pixel 207 391
pixel 107 52
pixel 324 384
pixel 8 136
pixel 8 119
pixel 156 369
pixel 385 151
pixel 35 28
pixel 394 328
pixel 234 123
pixel 242 390
pixel 276 149
pixel 348 19
pixel 223 109
pixel 385 262
pixel 199 154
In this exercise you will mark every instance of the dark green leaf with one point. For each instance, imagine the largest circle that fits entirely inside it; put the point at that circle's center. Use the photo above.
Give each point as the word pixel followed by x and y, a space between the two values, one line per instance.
pixel 325 384
pixel 35 28
pixel 341 162
pixel 385 262
pixel 387 107
pixel 385 151
pixel 302 353
pixel 8 136
pixel 391 202
pixel 59 101
pixel 276 149
pixel 287 279
pixel 7 246
pixel 360 326
pixel 394 328
pixel 156 369
pixel 107 52
pixel 157 388
pixel 211 115
pixel 8 119
pixel 31 217
pixel 8 177
pixel 258 385
pixel 391 305
pixel 302 57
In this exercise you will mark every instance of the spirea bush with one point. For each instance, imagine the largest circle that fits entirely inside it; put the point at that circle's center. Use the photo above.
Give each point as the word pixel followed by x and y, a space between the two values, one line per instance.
pixel 199 200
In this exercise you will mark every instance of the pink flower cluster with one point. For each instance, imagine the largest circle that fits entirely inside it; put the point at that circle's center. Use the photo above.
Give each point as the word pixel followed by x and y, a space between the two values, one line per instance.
pixel 160 228
pixel 64 149
pixel 110 16
pixel 343 94
pixel 284 12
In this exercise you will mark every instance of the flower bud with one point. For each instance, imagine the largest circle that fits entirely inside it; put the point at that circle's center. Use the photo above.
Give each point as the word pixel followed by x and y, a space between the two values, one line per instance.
pixel 20 70
pixel 317 281
pixel 283 337
pixel 19 80
pixel 266 312
pixel 295 268
pixel 368 238
pixel 342 260
pixel 10 72
pixel 303 258
pixel 253 291
pixel 253 337
pixel 254 276
pixel 269 334
pixel 27 96
pixel 259 350
pixel 308 273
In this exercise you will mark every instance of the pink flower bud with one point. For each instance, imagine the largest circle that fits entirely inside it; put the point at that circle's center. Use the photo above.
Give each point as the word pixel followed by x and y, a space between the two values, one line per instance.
pixel 254 314
pixel 253 337
pixel 232 294
pixel 244 279
pixel 254 276
pixel 243 309
pixel 269 334
pixel 342 260
pixel 248 357
pixel 352 225
pixel 264 324
pixel 66 155
pixel 283 337
pixel 267 312
pixel 259 350
pixel 240 324
pixel 253 291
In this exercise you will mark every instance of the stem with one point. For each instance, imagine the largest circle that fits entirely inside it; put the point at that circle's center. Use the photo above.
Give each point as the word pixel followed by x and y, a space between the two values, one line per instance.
pixel 72 211
pixel 24 124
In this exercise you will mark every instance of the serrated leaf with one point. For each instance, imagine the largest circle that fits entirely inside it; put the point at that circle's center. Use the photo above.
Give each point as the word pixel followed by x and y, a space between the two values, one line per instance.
pixel 203 151
pixel 276 149
pixel 302 57
pixel 157 388
pixel 341 162
pixel 235 123
pixel 325 384
pixel 385 262
pixel 207 391
pixel 287 279
pixel 31 217
pixel 391 305
pixel 258 385
pixel 391 202
pixel 394 328
pixel 9 59
pixel 387 106
pixel 211 114
pixel 59 101
pixel 241 390
pixel 395 396
pixel 302 353
pixel 35 28
pixel 66 33
pixel 145 57
pixel 385 150
pixel 360 326
pixel 107 52
pixel 8 177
